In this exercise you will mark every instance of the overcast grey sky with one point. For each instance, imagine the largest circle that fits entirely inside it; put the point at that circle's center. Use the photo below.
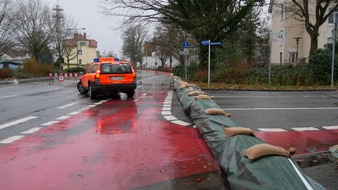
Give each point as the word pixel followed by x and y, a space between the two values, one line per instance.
pixel 85 14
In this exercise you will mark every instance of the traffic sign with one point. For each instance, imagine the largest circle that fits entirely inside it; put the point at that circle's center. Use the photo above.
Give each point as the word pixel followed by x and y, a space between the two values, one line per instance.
pixel 215 43
pixel 205 42
pixel 186 44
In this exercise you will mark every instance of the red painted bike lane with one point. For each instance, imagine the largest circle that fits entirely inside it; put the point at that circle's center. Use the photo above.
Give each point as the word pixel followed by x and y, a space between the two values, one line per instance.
pixel 305 142
pixel 116 145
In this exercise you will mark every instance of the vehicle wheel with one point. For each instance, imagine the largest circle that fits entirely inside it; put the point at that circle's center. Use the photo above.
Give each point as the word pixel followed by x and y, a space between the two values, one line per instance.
pixel 92 94
pixel 130 93
pixel 80 88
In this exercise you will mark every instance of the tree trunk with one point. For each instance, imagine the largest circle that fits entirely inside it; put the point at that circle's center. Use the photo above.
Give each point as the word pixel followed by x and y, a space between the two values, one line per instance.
pixel 314 43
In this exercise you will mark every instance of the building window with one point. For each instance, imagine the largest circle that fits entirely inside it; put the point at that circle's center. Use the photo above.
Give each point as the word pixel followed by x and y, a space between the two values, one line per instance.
pixel 82 43
pixel 333 18
pixel 280 57
pixel 80 61
pixel 79 52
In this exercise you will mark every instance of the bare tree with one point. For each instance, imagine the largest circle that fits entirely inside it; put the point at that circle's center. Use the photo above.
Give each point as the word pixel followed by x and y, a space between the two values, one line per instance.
pixel 6 26
pixel 34 26
pixel 169 40
pixel 314 14
pixel 203 19
pixel 62 32
pixel 133 39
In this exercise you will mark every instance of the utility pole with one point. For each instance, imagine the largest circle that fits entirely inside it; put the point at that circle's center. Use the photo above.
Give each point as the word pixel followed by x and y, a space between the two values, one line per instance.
pixel 58 27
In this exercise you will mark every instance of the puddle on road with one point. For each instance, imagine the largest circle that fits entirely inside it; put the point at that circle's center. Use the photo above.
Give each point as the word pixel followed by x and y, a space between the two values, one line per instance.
pixel 315 159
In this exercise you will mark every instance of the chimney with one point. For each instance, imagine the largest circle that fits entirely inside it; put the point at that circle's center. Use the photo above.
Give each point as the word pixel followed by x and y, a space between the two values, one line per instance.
pixel 85 35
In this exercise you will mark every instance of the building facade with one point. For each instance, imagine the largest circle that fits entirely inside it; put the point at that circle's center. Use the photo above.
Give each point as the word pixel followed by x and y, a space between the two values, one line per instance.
pixel 79 51
pixel 290 42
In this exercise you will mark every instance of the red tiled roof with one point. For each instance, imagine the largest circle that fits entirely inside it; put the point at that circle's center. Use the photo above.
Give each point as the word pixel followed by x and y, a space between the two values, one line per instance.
pixel 79 37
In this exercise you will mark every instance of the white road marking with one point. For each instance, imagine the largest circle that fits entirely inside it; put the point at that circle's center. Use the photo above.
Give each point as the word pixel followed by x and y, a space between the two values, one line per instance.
pixel 17 122
pixel 49 123
pixel 259 109
pixel 166 112
pixel 32 130
pixel 67 105
pixel 1 97
pixel 169 117
pixel 179 122
pixel 305 129
pixel 11 139
pixel 74 112
pixel 63 117
pixel 272 129
pixel 330 127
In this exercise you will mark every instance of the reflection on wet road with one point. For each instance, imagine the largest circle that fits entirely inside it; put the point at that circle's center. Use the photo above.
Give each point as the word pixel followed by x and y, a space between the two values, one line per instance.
pixel 120 144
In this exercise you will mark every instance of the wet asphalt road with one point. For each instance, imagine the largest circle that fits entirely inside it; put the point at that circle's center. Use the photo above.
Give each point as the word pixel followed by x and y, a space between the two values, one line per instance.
pixel 91 144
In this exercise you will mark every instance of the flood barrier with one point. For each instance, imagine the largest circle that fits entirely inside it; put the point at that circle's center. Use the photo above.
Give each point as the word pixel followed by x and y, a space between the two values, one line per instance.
pixel 272 169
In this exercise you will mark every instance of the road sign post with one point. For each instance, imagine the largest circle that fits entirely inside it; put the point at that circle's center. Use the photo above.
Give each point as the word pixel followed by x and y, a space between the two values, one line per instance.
pixel 186 53
pixel 209 43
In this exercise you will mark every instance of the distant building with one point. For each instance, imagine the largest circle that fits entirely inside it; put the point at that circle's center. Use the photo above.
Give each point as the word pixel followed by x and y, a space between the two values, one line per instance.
pixel 81 51
pixel 13 59
pixel 151 59
pixel 290 42
pixel 15 54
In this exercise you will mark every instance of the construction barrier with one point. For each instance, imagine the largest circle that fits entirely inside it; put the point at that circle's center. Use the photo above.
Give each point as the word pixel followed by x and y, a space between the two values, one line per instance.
pixel 62 76
pixel 237 150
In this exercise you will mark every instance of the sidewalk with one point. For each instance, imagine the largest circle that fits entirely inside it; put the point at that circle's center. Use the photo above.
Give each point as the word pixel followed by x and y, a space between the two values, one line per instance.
pixel 24 80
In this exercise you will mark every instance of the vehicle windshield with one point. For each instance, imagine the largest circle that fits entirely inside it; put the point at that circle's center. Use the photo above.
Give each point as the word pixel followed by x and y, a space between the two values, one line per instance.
pixel 116 68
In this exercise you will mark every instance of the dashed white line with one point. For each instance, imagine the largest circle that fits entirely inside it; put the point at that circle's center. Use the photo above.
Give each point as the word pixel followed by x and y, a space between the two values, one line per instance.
pixel 17 122
pixel 1 97
pixel 11 139
pixel 170 117
pixel 66 106
pixel 181 123
pixel 32 130
pixel 166 113
pixel 49 123
pixel 272 129
pixel 166 108
pixel 63 117
pixel 330 127
pixel 305 129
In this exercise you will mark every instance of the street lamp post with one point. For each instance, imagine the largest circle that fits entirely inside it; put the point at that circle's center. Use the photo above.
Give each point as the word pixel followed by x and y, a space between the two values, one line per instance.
pixel 333 50
pixel 297 42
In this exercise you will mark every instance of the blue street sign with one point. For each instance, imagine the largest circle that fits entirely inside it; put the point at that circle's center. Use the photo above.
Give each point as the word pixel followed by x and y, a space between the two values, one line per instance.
pixel 205 42
pixel 186 44
pixel 215 43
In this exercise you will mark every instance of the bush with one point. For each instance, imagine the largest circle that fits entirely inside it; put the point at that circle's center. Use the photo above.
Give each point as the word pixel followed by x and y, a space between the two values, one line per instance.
pixel 75 70
pixel 5 73
pixel 320 63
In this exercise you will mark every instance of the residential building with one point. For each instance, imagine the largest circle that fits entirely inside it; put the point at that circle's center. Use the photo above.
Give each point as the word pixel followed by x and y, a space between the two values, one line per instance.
pixel 79 51
pixel 151 58
pixel 13 59
pixel 290 42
